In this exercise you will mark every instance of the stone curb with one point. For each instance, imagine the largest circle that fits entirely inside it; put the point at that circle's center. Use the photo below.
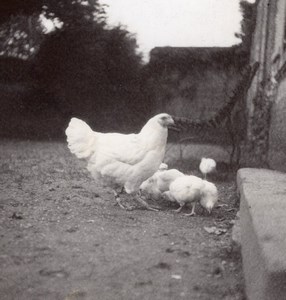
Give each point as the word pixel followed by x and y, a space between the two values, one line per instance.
pixel 263 232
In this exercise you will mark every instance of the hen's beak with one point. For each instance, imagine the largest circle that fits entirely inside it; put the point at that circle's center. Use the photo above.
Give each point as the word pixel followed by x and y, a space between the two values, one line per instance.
pixel 172 125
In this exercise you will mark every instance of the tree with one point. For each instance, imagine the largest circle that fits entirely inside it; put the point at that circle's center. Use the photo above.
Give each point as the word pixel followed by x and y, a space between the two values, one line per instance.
pixel 90 71
pixel 10 8
pixel 75 13
pixel 20 36
pixel 248 22
pixel 22 29
pixel 82 67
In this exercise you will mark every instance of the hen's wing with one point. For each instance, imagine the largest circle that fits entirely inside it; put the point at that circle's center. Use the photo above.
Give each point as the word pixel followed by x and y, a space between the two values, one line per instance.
pixel 129 149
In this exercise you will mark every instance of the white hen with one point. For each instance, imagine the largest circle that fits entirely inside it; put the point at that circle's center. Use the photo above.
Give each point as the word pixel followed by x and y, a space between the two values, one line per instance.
pixel 121 160
pixel 191 189
pixel 207 165
pixel 159 182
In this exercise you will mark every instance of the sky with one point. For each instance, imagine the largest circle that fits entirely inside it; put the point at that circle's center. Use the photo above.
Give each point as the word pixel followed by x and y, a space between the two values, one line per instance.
pixel 177 23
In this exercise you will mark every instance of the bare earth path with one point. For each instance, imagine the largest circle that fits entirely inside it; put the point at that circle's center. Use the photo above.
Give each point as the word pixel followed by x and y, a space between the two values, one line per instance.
pixel 62 237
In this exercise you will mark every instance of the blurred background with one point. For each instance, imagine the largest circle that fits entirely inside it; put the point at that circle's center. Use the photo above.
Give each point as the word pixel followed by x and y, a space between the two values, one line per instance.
pixel 67 58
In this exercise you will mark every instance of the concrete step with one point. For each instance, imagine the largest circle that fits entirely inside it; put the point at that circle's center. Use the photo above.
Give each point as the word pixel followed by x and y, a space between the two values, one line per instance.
pixel 263 232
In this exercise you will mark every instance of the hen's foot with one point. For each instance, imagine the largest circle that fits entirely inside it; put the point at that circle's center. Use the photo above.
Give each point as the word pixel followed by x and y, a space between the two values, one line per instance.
pixel 118 202
pixel 152 208
pixel 179 209
pixel 190 214
pixel 145 204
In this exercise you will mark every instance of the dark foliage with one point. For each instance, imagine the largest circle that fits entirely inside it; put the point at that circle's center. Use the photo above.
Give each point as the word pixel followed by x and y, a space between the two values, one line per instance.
pixel 248 22
pixel 81 69
pixel 10 8
pixel 92 73
pixel 75 14
pixel 14 70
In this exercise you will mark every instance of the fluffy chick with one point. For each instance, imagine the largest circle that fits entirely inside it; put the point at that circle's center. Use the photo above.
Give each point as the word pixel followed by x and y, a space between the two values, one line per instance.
pixel 159 182
pixel 191 189
pixel 163 167
pixel 207 165
pixel 149 186
pixel 209 196
pixel 185 189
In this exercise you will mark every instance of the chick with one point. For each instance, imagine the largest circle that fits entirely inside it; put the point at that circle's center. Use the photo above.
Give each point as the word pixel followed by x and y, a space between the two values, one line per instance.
pixel 165 178
pixel 149 187
pixel 185 189
pixel 163 167
pixel 159 182
pixel 207 165
pixel 208 197
pixel 191 189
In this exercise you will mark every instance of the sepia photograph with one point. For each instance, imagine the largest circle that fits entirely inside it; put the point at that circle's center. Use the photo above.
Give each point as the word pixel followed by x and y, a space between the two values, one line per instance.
pixel 142 149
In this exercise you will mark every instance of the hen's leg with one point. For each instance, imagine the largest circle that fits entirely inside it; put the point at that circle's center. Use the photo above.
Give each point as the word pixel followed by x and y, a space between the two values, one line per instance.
pixel 192 212
pixel 180 208
pixel 138 198
pixel 117 199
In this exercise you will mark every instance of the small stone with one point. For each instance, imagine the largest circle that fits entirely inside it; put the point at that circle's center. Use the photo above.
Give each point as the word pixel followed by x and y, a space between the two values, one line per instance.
pixel 72 229
pixel 169 250
pixel 215 230
pixel 163 265
pixel 217 271
pixel 176 276
pixel 16 216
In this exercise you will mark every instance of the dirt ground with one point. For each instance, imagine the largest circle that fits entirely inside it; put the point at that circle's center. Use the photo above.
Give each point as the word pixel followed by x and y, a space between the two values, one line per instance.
pixel 63 238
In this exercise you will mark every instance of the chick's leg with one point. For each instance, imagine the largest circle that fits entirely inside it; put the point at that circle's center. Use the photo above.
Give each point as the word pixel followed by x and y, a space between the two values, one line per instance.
pixel 193 211
pixel 139 198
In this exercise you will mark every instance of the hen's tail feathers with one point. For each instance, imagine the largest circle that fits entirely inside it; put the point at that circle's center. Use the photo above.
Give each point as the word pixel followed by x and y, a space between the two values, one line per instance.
pixel 80 138
pixel 243 85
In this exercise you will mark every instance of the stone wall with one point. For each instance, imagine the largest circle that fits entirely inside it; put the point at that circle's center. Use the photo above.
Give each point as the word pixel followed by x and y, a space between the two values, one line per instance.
pixel 277 136
pixel 196 95
pixel 277 139
pixel 266 100
pixel 192 82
